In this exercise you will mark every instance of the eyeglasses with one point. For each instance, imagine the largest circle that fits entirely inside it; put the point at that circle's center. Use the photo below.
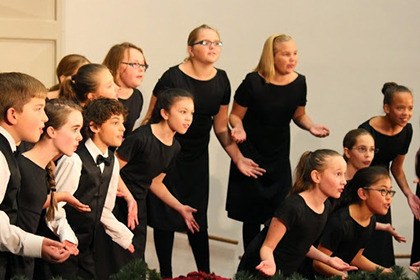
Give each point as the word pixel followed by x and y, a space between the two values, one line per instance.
pixel 136 65
pixel 207 43
pixel 365 150
pixel 384 192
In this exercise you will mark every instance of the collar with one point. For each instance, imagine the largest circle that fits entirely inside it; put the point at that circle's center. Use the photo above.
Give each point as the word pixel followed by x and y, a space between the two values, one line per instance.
pixel 93 150
pixel 9 138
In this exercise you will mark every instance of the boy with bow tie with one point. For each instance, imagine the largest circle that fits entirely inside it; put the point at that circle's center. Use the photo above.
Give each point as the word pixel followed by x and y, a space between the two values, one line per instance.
pixel 94 171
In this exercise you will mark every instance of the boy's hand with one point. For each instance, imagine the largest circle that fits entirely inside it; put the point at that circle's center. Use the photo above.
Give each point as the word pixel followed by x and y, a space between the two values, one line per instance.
pixel 131 248
pixel 54 251
pixel 71 247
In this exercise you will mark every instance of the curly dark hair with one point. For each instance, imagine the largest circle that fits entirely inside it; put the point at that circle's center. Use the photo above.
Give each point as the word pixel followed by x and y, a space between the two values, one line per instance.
pixel 100 110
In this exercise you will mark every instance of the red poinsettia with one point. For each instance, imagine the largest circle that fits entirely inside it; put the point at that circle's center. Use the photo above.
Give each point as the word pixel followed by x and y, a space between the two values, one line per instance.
pixel 199 275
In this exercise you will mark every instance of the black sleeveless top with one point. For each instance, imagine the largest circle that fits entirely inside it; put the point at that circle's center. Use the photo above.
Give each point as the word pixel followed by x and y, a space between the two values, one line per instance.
pixel 9 204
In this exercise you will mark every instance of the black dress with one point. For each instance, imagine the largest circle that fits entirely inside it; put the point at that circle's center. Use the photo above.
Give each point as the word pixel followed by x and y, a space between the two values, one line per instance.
pixel 303 227
pixel 415 249
pixel 134 104
pixel 388 148
pixel 188 180
pixel 31 198
pixel 270 108
pixel 344 236
pixel 146 157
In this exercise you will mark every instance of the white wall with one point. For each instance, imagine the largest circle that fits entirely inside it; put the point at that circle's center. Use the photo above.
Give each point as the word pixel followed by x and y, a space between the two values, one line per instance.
pixel 347 50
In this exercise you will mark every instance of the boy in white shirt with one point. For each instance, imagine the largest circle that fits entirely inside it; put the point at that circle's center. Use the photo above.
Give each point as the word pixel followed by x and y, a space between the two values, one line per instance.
pixel 22 117
pixel 94 171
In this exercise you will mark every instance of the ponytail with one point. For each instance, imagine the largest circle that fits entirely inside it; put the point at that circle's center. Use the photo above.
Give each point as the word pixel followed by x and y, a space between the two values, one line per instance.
pixel 308 162
pixel 52 187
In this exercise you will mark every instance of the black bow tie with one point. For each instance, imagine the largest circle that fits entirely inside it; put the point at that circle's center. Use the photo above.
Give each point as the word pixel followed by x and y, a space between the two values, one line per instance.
pixel 101 159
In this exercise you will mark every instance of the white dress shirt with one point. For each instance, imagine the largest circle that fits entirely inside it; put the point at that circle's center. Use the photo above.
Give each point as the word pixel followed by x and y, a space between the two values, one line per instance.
pixel 13 238
pixel 68 173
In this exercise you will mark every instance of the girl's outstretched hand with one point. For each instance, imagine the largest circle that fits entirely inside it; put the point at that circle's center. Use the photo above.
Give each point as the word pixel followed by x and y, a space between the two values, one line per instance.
pixel 395 234
pixel 341 265
pixel 187 214
pixel 249 168
pixel 132 218
pixel 319 130
pixel 72 201
pixel 267 267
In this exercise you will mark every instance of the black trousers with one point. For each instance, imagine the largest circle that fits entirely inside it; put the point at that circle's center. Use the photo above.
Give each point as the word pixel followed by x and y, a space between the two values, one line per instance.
pixel 415 248
pixel 82 266
pixel 199 243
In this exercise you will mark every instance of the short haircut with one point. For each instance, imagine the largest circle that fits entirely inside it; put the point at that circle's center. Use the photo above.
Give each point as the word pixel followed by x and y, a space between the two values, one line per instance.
pixel 99 111
pixel 16 90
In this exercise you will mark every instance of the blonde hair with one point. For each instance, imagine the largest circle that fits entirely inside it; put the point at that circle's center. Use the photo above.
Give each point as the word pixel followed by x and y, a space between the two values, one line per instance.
pixel 16 90
pixel 266 64
pixel 192 37
pixel 115 56
pixel 309 161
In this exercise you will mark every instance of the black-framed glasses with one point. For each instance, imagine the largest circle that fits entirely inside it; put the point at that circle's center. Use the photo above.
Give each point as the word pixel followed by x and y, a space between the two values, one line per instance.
pixel 208 43
pixel 136 65
pixel 365 150
pixel 384 192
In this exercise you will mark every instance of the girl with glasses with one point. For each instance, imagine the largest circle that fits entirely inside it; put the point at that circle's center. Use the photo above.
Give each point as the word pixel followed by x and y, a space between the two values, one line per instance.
pixel 350 228
pixel 392 133
pixel 128 66
pixel 189 178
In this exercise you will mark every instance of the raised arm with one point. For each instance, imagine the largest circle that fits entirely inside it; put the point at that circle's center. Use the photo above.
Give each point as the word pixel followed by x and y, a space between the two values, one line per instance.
pixel 220 125
pixel 399 175
pixel 389 228
pixel 301 119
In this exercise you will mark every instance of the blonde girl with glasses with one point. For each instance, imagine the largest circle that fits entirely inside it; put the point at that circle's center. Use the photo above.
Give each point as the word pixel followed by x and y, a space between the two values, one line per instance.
pixel 128 66
pixel 392 133
pixel 264 104
pixel 350 228
pixel 189 177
